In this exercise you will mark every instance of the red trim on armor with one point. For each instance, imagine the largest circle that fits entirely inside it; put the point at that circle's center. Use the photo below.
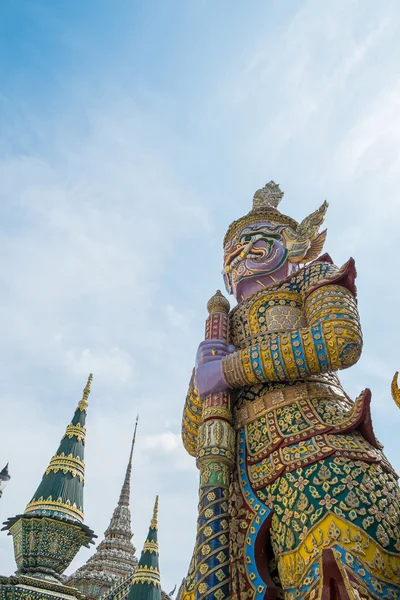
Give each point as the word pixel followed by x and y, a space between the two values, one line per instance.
pixel 365 427
pixel 346 277
pixel 325 258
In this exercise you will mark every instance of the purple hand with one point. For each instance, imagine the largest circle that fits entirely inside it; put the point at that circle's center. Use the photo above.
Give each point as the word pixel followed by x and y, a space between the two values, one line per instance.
pixel 208 375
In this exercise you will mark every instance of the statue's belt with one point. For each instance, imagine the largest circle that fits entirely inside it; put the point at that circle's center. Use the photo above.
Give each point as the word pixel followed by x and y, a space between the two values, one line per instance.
pixel 250 411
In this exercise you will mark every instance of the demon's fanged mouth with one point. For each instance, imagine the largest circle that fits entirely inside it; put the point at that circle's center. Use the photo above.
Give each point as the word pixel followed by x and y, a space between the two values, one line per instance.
pixel 247 250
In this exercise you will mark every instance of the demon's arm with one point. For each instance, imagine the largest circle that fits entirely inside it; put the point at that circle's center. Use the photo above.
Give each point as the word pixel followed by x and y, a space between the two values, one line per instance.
pixel 331 341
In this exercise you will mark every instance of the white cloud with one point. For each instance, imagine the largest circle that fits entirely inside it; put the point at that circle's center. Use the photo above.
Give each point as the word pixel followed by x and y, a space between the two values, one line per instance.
pixel 113 366
pixel 176 318
pixel 94 235
pixel 370 146
pixel 170 444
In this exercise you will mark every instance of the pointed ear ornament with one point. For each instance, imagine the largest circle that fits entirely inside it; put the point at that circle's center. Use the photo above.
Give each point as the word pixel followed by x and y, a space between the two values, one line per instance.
pixel 303 242
pixel 395 389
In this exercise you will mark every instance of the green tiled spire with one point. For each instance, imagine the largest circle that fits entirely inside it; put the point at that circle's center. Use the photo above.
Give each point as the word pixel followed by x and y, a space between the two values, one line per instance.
pixel 60 492
pixel 146 583
pixel 49 534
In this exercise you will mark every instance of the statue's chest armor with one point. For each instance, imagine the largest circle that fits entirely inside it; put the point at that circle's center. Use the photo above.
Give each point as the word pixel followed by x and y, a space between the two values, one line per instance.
pixel 280 310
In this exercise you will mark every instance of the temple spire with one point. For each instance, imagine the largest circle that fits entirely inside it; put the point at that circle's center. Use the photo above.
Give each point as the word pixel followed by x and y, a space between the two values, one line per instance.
pixel 51 531
pixel 124 498
pixel 114 559
pixel 146 583
pixel 61 489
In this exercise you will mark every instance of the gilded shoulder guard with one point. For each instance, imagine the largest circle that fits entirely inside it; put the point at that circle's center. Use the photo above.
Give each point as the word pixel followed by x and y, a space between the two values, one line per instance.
pixel 323 272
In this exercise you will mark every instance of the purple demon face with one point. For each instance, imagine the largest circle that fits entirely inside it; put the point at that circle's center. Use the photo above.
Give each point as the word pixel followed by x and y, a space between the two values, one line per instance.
pixel 256 251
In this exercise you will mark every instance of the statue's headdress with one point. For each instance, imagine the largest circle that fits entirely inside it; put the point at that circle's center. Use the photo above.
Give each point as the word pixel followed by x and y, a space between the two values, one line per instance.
pixel 303 241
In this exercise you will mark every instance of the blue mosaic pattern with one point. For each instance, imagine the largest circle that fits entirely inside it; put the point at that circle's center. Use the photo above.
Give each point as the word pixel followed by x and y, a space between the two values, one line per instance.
pixel 299 354
pixel 262 513
pixel 212 543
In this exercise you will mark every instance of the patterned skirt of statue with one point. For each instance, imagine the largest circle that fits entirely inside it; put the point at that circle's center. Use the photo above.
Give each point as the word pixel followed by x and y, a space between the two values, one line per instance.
pixel 314 502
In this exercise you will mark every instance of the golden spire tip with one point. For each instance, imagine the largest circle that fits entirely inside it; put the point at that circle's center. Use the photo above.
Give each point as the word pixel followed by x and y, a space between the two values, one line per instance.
pixel 83 404
pixel 154 520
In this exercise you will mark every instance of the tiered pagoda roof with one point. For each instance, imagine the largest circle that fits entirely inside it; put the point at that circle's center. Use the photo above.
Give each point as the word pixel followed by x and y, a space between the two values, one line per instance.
pixel 114 559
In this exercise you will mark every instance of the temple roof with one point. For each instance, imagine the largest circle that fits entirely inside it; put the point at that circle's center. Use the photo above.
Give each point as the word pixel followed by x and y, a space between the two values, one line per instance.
pixel 146 583
pixel 60 492
pixel 114 558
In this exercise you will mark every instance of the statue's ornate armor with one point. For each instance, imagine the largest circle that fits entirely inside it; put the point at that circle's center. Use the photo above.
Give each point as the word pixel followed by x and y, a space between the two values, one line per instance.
pixel 312 497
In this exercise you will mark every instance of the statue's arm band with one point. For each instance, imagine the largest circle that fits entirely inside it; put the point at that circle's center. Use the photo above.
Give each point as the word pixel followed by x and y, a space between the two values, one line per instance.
pixel 331 341
pixel 191 419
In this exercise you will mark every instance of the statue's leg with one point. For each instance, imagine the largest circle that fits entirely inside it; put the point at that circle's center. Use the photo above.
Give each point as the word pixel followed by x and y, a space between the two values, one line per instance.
pixel 250 569
pixel 251 552
pixel 335 531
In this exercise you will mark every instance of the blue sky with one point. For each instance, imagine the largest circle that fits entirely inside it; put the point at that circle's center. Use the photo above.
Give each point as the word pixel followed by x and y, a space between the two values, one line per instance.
pixel 131 135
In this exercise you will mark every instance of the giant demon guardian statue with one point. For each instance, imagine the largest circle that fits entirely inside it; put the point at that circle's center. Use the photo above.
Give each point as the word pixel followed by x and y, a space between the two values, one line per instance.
pixel 297 500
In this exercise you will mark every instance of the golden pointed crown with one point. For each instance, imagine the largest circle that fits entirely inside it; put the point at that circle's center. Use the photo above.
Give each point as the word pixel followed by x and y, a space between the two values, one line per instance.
pixel 265 203
pixel 302 239
pixel 268 197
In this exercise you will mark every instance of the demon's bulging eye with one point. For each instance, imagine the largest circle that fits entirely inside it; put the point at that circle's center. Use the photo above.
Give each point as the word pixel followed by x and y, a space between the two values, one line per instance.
pixel 266 236
pixel 246 238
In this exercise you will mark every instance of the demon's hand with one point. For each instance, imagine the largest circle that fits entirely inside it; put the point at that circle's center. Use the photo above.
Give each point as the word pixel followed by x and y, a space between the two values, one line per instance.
pixel 208 372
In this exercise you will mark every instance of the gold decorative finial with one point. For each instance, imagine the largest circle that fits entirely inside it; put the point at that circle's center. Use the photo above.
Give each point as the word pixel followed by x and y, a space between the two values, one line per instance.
pixel 154 520
pixel 83 404
pixel 395 389
pixel 218 303
pixel 268 197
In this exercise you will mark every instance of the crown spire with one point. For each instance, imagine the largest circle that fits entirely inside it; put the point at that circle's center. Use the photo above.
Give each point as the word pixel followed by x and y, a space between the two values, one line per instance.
pixel 268 197
pixel 146 583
